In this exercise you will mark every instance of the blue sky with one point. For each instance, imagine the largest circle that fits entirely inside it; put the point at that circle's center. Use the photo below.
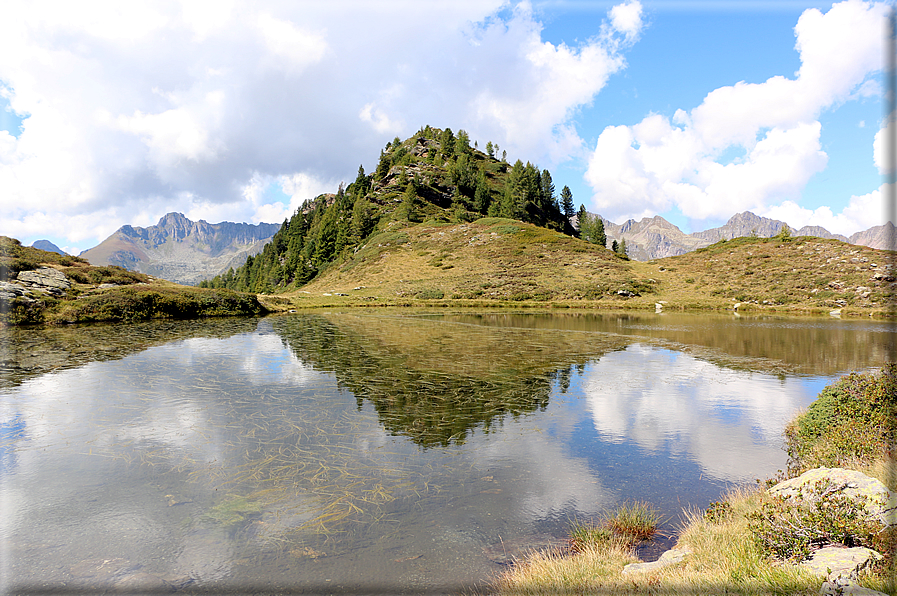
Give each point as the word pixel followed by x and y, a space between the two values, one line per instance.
pixel 114 114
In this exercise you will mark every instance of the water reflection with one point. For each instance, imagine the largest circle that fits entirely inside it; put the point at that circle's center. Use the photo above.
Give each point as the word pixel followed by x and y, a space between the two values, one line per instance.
pixel 347 451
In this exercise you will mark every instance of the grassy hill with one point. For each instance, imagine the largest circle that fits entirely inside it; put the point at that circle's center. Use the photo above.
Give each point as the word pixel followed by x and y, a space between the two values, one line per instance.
pixel 494 262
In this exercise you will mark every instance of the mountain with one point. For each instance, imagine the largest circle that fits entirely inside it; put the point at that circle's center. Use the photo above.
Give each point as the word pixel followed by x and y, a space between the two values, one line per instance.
pixel 881 237
pixel 181 250
pixel 656 238
pixel 47 246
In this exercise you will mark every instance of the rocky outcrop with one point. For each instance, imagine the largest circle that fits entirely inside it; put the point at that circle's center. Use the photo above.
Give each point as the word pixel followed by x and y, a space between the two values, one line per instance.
pixel 45 280
pixel 181 250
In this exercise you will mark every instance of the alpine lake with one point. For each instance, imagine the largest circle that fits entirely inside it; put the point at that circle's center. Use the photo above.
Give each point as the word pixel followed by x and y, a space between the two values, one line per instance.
pixel 381 451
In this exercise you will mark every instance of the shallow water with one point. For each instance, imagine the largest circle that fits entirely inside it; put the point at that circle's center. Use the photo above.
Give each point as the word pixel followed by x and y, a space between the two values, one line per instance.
pixel 380 451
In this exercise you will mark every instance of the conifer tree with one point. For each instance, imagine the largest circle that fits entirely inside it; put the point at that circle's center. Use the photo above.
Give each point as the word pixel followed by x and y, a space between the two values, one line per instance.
pixel 567 202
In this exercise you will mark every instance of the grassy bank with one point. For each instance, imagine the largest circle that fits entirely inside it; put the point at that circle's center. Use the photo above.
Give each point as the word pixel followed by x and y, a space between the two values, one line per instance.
pixel 741 544
pixel 104 293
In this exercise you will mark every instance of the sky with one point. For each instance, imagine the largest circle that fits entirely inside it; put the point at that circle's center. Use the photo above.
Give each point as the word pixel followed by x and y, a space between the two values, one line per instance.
pixel 115 113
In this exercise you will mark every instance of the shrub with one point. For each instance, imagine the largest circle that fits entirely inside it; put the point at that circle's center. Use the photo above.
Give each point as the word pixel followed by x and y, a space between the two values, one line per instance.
pixel 850 420
pixel 789 528
pixel 718 511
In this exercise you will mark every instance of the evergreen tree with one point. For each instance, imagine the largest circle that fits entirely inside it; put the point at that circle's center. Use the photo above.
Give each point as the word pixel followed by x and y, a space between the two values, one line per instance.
pixel 462 143
pixel 547 188
pixel 600 237
pixel 621 249
pixel 614 246
pixel 481 196
pixel 447 142
pixel 583 221
pixel 490 150
pixel 567 202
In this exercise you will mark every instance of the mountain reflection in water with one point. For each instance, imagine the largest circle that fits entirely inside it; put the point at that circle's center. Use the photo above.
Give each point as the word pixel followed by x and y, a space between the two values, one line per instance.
pixel 363 450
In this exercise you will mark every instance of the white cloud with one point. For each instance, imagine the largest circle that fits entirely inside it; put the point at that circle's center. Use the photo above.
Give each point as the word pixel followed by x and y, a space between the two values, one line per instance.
pixel 627 19
pixel 137 109
pixel 861 213
pixel 656 164
pixel 884 162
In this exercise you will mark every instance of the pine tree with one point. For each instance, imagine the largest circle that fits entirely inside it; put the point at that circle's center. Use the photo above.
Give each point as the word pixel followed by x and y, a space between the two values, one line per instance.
pixel 567 202
pixel 490 150
pixel 600 237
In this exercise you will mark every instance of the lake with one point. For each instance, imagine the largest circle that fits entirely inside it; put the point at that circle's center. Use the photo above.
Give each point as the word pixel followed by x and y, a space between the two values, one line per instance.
pixel 379 450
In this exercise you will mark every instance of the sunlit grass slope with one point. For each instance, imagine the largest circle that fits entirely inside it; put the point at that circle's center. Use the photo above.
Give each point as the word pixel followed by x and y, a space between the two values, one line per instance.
pixel 501 262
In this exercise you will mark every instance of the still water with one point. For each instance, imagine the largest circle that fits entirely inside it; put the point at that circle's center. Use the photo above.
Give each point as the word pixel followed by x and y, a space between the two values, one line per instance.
pixel 380 451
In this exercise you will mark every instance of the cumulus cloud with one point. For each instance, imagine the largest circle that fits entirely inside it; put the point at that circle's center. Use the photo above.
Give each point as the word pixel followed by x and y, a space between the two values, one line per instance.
pixel 661 162
pixel 862 212
pixel 135 110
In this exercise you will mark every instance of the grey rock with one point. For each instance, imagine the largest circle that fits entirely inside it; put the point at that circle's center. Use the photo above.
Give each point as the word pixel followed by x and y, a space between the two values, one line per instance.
pixel 675 555
pixel 846 587
pixel 12 289
pixel 45 277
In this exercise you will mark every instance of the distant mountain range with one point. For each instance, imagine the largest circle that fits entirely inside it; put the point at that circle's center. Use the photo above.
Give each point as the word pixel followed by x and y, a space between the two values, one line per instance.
pixel 655 237
pixel 181 250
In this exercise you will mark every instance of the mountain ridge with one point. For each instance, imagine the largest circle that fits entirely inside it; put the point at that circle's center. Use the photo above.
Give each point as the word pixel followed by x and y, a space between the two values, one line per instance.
pixel 656 238
pixel 181 250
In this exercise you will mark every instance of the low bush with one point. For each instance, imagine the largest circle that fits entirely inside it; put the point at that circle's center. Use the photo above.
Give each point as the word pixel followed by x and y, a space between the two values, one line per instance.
pixel 850 421
pixel 790 528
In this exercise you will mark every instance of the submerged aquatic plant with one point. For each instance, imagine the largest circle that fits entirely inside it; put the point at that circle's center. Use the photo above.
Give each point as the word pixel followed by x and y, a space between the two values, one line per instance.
pixel 233 510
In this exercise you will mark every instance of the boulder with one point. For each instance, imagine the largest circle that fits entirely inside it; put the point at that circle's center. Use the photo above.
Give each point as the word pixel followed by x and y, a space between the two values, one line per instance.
pixel 45 279
pixel 870 493
pixel 838 563
pixel 670 557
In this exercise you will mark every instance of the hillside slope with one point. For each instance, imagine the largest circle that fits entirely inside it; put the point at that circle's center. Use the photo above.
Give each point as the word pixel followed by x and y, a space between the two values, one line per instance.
pixel 498 262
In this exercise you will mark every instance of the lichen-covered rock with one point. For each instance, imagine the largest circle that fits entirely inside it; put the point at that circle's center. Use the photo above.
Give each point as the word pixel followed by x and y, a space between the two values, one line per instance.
pixel 870 493
pixel 834 562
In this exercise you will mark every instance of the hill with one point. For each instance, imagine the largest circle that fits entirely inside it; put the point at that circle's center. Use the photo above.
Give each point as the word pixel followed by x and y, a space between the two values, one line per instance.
pixel 434 176
pixel 181 250
pixel 496 262
pixel 38 286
